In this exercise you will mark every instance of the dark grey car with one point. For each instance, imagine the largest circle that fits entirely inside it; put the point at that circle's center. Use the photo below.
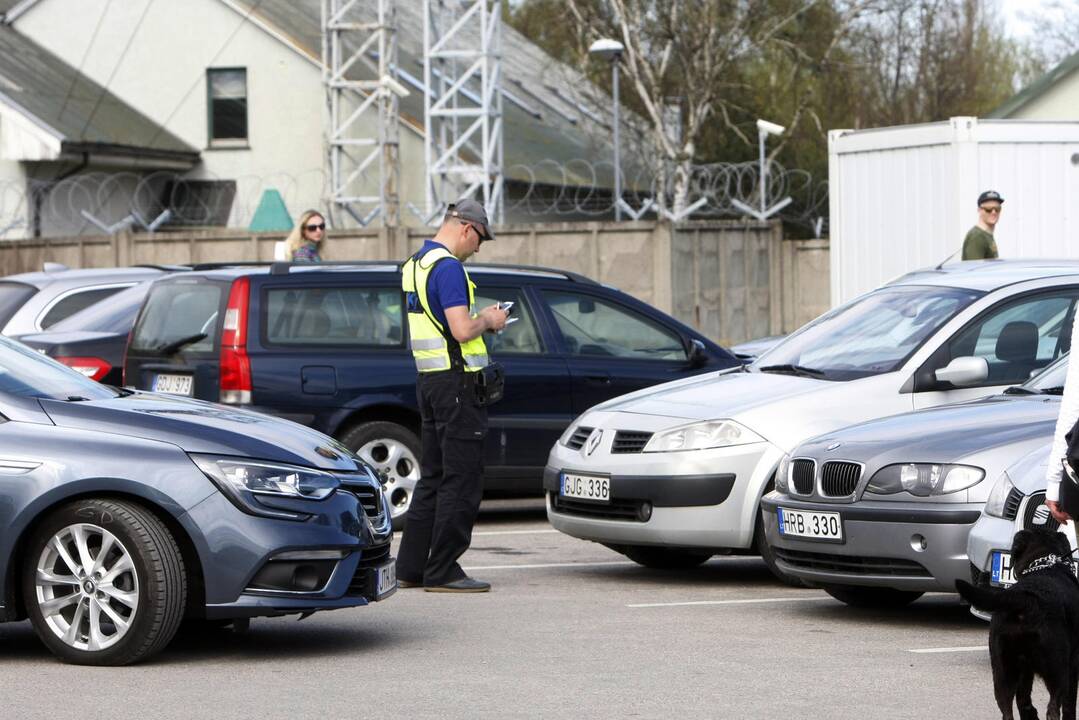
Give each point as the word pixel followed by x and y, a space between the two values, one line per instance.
pixel 124 512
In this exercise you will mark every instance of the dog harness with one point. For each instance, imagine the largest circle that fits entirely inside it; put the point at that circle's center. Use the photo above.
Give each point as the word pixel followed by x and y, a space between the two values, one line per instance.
pixel 1047 561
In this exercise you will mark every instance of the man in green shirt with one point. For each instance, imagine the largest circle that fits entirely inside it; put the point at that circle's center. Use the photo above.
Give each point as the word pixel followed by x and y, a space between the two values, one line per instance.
pixel 979 243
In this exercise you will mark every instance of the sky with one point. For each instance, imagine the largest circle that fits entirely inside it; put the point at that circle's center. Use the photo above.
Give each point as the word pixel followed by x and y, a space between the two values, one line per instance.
pixel 1012 9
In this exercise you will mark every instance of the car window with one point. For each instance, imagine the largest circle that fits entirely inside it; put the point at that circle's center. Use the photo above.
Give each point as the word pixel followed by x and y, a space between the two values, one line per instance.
pixel 115 314
pixel 30 374
pixel 1017 338
pixel 12 297
pixel 520 336
pixel 591 326
pixel 334 316
pixel 178 310
pixel 872 334
pixel 74 302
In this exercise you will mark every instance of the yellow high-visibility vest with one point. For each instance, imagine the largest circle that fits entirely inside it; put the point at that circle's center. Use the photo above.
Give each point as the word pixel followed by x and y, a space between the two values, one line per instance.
pixel 432 344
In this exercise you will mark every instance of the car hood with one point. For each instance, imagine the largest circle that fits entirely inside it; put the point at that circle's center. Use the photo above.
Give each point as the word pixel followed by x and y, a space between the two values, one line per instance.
pixel 943 434
pixel 52 339
pixel 202 427
pixel 725 395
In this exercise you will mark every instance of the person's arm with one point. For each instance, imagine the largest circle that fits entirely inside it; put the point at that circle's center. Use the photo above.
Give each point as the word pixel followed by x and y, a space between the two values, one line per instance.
pixel 1069 413
pixel 465 327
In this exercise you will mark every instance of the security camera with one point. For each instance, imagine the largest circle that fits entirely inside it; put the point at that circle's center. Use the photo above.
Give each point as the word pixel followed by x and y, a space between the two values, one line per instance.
pixel 395 87
pixel 771 128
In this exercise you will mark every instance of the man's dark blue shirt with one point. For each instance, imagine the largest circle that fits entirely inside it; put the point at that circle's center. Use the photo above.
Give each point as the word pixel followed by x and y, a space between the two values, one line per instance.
pixel 447 286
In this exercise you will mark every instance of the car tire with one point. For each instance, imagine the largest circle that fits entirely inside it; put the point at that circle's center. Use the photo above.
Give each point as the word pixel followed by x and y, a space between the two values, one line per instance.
pixel 665 558
pixel 126 606
pixel 872 597
pixel 760 542
pixel 394 452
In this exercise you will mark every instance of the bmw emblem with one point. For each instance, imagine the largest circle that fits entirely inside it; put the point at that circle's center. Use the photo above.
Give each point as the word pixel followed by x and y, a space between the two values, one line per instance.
pixel 593 441
pixel 832 447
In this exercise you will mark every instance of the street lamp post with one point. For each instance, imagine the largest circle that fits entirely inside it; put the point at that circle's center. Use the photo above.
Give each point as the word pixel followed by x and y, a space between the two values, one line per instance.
pixel 609 49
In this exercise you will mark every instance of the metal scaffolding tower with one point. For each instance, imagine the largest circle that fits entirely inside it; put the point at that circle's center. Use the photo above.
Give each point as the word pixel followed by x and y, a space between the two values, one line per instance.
pixel 360 37
pixel 462 44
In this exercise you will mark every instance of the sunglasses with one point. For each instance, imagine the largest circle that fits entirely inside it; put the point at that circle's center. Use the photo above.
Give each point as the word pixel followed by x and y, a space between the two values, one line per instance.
pixel 991 211
pixel 477 231
pixel 313 227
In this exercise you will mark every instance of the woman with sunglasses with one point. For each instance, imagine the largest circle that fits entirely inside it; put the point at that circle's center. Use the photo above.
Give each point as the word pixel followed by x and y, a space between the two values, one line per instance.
pixel 304 243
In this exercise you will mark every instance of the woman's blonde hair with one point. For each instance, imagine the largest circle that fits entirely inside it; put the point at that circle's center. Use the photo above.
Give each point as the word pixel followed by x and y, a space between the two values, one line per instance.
pixel 295 239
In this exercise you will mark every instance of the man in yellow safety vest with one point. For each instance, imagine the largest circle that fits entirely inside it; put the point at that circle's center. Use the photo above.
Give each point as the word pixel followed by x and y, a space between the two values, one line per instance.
pixel 451 360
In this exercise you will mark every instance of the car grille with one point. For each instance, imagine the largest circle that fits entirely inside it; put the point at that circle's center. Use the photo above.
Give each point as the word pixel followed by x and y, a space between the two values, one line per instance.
pixel 1012 503
pixel 370 557
pixel 1036 516
pixel 577 439
pixel 802 472
pixel 629 441
pixel 369 496
pixel 851 565
pixel 614 510
pixel 839 479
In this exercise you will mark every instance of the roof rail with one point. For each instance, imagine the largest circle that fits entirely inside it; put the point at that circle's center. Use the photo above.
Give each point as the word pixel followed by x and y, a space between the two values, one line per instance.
pixel 282 267
pixel 164 268
pixel 219 265
pixel 568 274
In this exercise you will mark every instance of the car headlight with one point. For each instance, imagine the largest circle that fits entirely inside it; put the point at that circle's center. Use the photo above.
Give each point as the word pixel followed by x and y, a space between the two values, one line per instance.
pixel 243 481
pixel 702 435
pixel 924 479
pixel 998 498
pixel 783 483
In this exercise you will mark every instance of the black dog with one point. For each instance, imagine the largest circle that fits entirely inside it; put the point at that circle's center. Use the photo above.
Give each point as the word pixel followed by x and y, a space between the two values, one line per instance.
pixel 1035 626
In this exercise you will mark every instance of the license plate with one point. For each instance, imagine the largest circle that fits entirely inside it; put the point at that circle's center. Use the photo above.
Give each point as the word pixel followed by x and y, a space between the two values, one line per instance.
pixel 813 525
pixel 173 384
pixel 586 487
pixel 1002 569
pixel 385 580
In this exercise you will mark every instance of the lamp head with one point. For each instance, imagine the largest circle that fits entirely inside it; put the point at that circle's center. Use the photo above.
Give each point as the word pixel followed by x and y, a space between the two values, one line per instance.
pixel 606 48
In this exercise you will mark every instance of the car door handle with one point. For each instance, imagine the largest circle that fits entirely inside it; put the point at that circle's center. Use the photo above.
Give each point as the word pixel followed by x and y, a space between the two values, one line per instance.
pixel 604 379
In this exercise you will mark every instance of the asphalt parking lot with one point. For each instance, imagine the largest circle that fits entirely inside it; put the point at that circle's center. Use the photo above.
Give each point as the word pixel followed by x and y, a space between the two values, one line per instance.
pixel 571 629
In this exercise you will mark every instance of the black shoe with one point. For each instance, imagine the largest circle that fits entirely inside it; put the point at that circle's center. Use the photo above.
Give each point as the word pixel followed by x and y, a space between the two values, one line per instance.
pixel 408 584
pixel 464 585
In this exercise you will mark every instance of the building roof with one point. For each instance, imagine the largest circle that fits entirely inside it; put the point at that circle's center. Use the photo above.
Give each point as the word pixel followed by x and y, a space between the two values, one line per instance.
pixel 549 125
pixel 80 114
pixel 1037 88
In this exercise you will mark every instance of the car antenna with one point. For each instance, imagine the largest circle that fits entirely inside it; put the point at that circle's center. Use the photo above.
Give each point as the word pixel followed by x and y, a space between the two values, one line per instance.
pixel 938 267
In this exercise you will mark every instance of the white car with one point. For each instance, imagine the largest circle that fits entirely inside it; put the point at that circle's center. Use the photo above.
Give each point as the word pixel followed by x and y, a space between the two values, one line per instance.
pixel 672 474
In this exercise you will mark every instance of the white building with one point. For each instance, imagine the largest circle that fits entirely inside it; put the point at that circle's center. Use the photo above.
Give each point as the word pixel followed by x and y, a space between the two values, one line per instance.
pixel 231 92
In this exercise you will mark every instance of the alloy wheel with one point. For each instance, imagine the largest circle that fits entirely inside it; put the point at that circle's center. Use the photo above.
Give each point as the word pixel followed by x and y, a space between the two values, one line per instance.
pixel 398 469
pixel 86 587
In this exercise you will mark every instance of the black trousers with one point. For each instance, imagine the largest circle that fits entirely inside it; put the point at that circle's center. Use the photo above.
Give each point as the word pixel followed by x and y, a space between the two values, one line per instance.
pixel 438 527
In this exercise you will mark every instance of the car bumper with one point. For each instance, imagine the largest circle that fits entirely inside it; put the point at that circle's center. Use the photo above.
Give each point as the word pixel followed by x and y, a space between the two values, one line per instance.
pixel 335 559
pixel 989 534
pixel 704 498
pixel 906 546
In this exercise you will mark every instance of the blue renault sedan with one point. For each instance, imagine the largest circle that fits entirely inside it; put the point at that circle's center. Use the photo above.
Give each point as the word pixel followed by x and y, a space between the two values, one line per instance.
pixel 122 513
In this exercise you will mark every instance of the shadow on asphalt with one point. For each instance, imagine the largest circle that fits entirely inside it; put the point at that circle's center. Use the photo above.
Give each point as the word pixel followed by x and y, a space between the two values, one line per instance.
pixel 266 640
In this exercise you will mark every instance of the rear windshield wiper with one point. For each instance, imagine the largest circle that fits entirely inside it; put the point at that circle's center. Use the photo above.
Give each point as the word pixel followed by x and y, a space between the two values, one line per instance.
pixel 170 348
pixel 793 370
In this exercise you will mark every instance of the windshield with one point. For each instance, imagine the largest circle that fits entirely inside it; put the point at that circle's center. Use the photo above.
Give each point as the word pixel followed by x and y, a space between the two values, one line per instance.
pixel 1050 378
pixel 31 374
pixel 12 297
pixel 115 314
pixel 179 311
pixel 870 335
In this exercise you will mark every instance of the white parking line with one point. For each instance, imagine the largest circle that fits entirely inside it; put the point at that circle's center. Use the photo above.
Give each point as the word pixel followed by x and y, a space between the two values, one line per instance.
pixel 747 601
pixel 972 648
pixel 538 566
pixel 513 532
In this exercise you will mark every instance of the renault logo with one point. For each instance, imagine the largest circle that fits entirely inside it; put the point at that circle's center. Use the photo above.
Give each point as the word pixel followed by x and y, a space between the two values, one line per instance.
pixel 832 447
pixel 593 441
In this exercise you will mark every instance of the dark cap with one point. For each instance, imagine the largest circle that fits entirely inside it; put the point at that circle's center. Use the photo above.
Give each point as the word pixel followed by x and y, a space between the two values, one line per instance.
pixel 989 195
pixel 471 211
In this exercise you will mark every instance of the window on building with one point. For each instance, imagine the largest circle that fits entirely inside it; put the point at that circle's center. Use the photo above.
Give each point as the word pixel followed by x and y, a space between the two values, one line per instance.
pixel 227 88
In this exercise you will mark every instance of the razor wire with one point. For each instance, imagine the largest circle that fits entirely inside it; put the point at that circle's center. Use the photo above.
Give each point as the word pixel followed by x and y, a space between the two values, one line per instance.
pixel 99 202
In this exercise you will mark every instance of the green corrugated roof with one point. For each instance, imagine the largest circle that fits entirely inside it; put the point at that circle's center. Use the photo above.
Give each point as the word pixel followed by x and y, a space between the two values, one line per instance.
pixel 1037 88
pixel 85 115
pixel 530 144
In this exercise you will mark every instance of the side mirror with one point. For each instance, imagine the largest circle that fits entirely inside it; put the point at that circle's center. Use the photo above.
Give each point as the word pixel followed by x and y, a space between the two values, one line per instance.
pixel 696 356
pixel 964 371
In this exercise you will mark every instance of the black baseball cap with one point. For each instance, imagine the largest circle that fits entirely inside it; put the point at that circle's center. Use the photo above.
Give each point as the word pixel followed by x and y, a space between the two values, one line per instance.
pixel 471 211
pixel 989 195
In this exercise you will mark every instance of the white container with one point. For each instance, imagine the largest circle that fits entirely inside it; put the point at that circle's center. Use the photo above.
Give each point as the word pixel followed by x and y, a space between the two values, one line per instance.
pixel 903 198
